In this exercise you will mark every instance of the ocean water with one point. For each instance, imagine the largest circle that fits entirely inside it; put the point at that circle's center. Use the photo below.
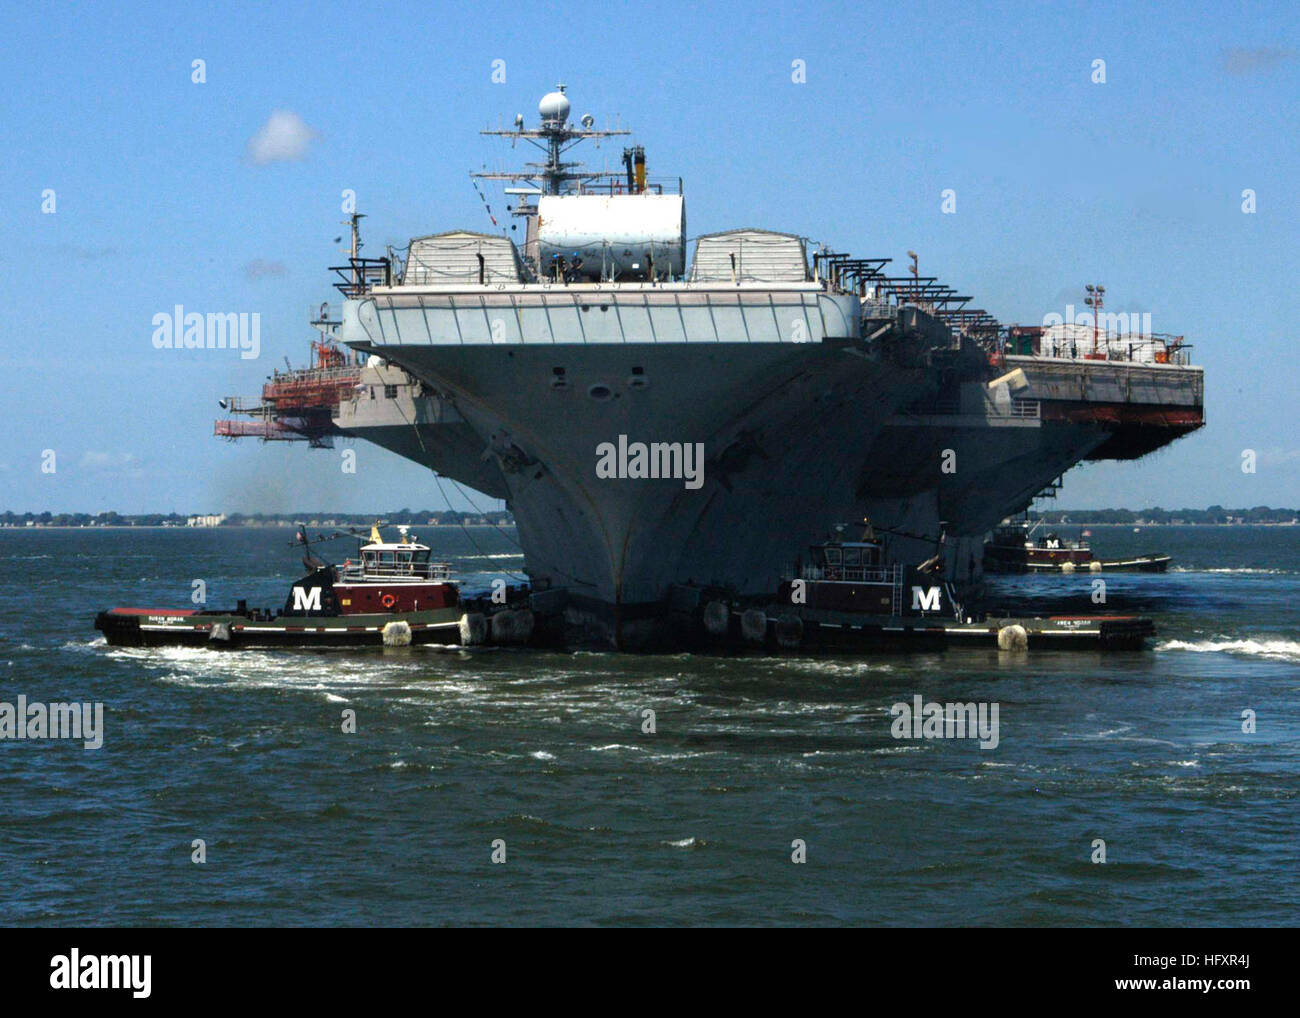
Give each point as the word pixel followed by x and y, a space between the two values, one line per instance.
pixel 603 823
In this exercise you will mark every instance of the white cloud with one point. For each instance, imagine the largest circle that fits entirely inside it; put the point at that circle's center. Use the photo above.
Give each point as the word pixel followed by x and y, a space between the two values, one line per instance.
pixel 1277 456
pixel 285 137
pixel 93 459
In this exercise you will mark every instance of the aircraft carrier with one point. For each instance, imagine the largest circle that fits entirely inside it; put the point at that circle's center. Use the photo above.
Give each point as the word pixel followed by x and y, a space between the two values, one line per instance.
pixel 658 424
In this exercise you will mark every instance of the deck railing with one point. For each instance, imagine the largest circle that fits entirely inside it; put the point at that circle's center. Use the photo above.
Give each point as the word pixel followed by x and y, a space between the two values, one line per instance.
pixel 353 571
pixel 852 574
pixel 1151 349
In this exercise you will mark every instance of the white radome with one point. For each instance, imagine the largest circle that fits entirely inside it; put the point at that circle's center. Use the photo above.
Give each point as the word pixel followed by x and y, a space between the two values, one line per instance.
pixel 554 106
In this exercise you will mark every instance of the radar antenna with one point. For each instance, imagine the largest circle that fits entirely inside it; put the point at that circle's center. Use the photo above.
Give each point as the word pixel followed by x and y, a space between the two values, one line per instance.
pixel 555 136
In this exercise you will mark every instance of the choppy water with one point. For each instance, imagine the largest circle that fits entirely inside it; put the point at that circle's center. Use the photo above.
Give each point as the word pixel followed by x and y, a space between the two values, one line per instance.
pixel 606 824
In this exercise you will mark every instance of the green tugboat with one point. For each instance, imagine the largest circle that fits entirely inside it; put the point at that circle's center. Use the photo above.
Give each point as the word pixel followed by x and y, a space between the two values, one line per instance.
pixel 395 595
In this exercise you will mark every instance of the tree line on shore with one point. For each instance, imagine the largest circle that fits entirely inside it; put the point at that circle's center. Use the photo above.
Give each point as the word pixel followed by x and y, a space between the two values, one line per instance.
pixel 1215 515
pixel 423 517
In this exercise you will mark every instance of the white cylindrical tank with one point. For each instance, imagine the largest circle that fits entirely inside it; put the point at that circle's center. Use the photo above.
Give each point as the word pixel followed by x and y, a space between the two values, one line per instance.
pixel 615 236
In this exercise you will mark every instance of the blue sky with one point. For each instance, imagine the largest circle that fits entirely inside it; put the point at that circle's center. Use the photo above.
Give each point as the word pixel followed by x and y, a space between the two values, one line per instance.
pixel 1135 183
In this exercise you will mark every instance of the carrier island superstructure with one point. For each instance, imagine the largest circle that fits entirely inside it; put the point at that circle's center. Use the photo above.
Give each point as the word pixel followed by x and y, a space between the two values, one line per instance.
pixel 578 375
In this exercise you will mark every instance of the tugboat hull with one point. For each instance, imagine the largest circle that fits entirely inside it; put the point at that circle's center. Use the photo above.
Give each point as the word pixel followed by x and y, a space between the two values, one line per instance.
pixel 136 627
pixel 1141 564
pixel 1054 633
pixel 828 632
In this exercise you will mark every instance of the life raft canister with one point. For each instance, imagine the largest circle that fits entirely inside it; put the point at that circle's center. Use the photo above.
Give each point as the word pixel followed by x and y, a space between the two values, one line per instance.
pixel 388 600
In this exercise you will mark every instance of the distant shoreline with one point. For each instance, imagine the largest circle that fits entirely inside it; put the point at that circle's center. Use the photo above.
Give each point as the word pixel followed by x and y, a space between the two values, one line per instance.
pixel 1145 525
pixel 510 524
pixel 424 518
pixel 236 526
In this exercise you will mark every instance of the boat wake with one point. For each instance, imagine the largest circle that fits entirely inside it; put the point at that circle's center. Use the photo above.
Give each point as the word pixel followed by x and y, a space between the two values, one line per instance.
pixel 1275 649
pixel 1233 570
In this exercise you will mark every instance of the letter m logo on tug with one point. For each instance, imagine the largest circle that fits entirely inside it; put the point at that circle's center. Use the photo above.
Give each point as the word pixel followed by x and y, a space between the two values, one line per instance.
pixel 306 599
pixel 926 600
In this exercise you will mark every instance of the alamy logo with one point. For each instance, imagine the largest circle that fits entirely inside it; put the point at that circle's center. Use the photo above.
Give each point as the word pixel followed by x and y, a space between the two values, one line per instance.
pixel 921 720
pixel 188 330
pixel 653 460
pixel 132 972
pixel 1112 323
pixel 84 721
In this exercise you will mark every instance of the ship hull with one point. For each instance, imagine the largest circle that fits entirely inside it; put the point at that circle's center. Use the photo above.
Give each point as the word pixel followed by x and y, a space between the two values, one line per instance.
pixel 396 413
pixel 785 434
pixel 796 435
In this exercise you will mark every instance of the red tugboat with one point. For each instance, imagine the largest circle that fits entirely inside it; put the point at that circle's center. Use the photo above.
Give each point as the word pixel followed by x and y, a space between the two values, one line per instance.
pixel 396 577
pixel 394 595
pixel 845 598
pixel 1014 549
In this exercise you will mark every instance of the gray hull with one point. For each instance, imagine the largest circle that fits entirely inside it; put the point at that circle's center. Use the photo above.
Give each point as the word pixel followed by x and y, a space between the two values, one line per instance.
pixel 818 418
pixel 400 414
pixel 786 432
pixel 777 489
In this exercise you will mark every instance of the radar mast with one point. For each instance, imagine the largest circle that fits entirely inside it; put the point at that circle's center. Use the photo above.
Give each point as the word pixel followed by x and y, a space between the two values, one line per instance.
pixel 554 136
